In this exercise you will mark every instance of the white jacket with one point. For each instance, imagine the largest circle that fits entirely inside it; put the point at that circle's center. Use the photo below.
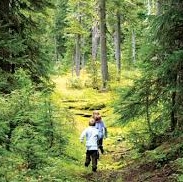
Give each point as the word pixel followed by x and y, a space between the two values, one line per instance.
pixel 91 134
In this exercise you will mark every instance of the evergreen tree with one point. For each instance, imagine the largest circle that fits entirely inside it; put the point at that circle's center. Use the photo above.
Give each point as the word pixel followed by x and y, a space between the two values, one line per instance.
pixel 103 46
pixel 22 42
pixel 157 94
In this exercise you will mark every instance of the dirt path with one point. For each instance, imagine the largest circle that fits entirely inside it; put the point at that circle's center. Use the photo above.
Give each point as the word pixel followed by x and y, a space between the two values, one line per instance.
pixel 112 160
pixel 117 164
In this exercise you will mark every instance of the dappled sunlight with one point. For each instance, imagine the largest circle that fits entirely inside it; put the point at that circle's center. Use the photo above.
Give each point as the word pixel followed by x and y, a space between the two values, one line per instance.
pixel 62 60
pixel 81 103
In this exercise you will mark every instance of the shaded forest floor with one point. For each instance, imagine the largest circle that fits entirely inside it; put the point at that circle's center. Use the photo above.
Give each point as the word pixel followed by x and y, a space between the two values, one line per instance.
pixel 119 163
pixel 142 169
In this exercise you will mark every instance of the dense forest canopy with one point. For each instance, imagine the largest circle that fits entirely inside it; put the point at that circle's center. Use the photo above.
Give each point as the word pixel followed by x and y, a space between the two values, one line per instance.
pixel 105 39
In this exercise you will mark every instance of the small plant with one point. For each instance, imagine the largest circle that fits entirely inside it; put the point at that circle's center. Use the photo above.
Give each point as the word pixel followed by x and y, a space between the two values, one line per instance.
pixel 74 83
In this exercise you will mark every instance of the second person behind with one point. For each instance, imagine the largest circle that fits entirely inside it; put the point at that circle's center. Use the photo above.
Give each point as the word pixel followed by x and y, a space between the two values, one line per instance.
pixel 99 124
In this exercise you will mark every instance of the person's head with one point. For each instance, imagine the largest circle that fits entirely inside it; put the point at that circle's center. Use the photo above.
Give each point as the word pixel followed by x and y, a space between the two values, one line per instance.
pixel 98 118
pixel 92 122
pixel 95 113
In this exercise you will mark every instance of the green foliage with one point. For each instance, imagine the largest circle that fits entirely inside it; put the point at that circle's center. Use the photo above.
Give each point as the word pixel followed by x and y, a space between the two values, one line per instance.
pixel 179 165
pixel 139 139
pixel 155 96
pixel 93 68
pixel 35 130
pixel 60 24
pixel 74 83
pixel 23 43
pixel 30 130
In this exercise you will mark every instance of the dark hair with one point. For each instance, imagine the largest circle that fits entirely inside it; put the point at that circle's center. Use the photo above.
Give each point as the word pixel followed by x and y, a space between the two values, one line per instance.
pixel 92 122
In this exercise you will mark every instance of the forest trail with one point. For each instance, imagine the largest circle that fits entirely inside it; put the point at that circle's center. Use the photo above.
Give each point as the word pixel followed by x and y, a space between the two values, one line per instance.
pixel 114 146
pixel 118 163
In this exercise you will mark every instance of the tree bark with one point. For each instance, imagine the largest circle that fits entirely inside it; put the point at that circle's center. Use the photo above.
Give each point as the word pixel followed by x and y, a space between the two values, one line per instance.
pixel 95 45
pixel 78 55
pixel 104 65
pixel 82 54
pixel 95 40
pixel 179 99
pixel 178 45
pixel 78 46
pixel 117 44
pixel 173 113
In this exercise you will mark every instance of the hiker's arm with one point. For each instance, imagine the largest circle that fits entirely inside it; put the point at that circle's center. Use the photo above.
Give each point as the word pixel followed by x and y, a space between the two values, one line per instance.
pixel 105 132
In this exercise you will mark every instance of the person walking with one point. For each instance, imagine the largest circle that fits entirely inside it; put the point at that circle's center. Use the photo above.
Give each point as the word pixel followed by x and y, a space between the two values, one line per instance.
pixel 99 124
pixel 91 134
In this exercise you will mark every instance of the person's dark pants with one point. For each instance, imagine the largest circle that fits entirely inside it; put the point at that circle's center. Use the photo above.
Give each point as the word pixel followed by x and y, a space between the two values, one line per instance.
pixel 100 145
pixel 92 155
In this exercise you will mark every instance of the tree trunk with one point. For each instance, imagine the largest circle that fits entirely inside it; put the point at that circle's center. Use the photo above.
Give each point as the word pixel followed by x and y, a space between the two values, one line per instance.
pixel 117 45
pixel 82 61
pixel 78 48
pixel 148 114
pixel 173 117
pixel 73 62
pixel 95 45
pixel 179 99
pixel 104 65
pixel 51 126
pixel 82 54
pixel 95 40
pixel 78 55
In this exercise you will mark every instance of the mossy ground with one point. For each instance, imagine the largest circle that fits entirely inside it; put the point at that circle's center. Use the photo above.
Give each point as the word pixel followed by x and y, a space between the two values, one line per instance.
pixel 119 163
pixel 79 104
